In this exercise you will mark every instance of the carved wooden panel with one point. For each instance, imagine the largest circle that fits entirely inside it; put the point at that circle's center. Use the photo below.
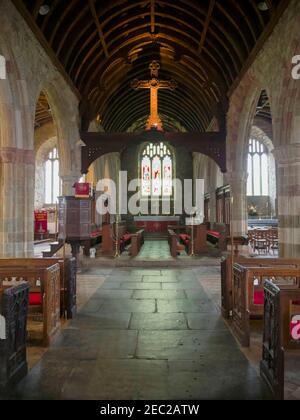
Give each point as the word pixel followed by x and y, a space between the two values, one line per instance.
pixel 14 309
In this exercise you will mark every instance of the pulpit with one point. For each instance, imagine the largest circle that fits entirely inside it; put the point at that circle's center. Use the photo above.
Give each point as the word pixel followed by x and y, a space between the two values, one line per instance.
pixel 74 221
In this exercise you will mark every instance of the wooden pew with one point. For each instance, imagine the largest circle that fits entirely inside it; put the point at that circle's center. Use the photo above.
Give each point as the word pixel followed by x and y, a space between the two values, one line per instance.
pixel 217 234
pixel 227 271
pixel 109 237
pixel 13 318
pixel 137 241
pixel 174 244
pixel 111 234
pixel 281 306
pixel 44 295
pixel 68 278
pixel 248 294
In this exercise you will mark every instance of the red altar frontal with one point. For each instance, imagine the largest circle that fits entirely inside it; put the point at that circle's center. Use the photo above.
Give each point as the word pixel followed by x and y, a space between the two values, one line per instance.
pixel 156 224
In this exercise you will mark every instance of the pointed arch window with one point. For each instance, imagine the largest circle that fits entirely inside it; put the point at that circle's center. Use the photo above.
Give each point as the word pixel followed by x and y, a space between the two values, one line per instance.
pixel 157 171
pixel 52 179
pixel 258 169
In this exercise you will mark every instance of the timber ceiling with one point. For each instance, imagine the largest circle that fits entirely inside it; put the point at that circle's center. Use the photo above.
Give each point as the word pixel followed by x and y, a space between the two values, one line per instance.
pixel 101 46
pixel 43 113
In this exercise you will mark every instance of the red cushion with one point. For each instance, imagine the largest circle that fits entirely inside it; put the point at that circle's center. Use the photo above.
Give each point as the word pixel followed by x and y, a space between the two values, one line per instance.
pixel 35 299
pixel 259 298
pixel 296 302
pixel 214 234
pixel 184 237
pixel 127 237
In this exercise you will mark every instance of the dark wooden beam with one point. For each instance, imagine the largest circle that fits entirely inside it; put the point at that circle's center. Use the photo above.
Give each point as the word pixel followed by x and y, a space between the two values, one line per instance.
pixel 99 27
pixel 152 16
pixel 44 43
pixel 211 144
pixel 206 24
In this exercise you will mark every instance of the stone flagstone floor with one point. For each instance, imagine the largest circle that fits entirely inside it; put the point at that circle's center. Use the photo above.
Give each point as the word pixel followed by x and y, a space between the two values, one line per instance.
pixel 144 334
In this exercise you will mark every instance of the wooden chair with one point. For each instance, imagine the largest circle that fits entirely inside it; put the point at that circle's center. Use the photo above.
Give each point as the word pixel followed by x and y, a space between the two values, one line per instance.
pixel 280 309
pixel 13 317
pixel 261 243
pixel 273 242
pixel 44 295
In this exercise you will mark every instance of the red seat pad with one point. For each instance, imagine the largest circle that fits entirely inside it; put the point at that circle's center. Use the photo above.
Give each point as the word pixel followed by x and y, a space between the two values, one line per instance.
pixel 259 298
pixel 184 237
pixel 214 234
pixel 126 237
pixel 35 299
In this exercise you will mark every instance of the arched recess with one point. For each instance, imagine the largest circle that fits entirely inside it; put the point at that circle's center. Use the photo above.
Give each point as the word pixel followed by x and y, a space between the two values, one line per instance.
pixel 45 140
pixel 243 111
pixel 205 168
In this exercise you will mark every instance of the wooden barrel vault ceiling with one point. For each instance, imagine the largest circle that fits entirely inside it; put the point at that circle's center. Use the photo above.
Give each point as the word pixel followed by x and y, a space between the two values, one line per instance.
pixel 100 46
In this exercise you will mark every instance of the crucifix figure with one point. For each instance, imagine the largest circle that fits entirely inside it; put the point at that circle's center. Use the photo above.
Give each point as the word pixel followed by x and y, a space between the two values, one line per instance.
pixel 154 84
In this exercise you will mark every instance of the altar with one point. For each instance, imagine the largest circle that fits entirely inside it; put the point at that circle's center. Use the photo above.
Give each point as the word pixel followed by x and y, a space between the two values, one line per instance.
pixel 156 224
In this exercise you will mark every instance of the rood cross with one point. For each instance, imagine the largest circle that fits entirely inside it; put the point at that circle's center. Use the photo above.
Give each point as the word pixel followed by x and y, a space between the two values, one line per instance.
pixel 154 85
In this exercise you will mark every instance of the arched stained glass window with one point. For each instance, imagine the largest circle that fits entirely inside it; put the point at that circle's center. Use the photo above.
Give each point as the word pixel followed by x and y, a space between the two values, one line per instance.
pixel 157 171
pixel 52 179
pixel 258 169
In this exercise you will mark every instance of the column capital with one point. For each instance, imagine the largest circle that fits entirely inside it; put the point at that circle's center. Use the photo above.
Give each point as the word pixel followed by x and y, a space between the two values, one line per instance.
pixel 289 153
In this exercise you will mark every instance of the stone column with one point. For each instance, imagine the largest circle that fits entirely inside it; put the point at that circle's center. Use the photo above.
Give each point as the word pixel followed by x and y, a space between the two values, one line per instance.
pixel 16 202
pixel 288 178
pixel 68 182
pixel 238 184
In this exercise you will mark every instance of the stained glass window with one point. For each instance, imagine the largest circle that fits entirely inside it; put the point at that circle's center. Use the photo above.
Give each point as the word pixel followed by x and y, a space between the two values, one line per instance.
pixel 157 171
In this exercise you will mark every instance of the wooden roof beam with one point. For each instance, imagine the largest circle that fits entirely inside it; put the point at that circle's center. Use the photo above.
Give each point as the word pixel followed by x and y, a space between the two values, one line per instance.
pixel 206 24
pixel 99 27
pixel 152 17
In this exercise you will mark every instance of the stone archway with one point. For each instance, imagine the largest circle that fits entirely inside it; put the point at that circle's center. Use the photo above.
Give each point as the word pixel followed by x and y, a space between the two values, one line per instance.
pixel 16 164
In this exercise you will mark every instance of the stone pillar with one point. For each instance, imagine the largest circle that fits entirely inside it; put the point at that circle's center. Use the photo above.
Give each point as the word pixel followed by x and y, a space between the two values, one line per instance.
pixel 239 217
pixel 288 178
pixel 16 202
pixel 68 182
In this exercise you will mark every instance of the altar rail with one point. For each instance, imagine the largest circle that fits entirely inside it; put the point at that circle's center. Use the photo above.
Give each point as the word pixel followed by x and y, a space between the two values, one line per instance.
pixel 44 285
pixel 279 308
pixel 13 312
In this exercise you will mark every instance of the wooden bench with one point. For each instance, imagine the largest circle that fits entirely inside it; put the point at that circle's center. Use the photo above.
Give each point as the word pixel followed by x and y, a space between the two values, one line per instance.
pixel 227 279
pixel 174 244
pixel 111 235
pixel 248 294
pixel 13 322
pixel 137 241
pixel 281 333
pixel 44 295
pixel 217 235
pixel 68 278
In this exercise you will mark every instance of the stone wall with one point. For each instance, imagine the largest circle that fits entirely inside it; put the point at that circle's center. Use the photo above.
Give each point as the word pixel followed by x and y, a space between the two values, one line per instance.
pixel 29 71
pixel 271 71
